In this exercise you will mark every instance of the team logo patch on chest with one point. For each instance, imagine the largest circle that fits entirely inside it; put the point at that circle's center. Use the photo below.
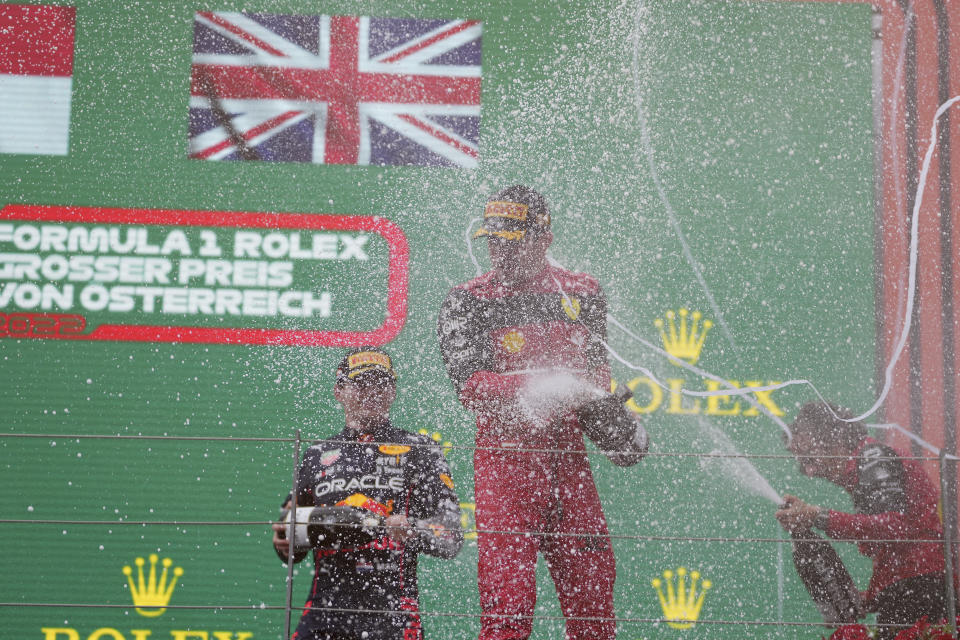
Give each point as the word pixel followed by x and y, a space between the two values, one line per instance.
pixel 571 307
pixel 513 342
pixel 392 464
pixel 327 458
pixel 361 483
pixel 360 501
pixel 394 449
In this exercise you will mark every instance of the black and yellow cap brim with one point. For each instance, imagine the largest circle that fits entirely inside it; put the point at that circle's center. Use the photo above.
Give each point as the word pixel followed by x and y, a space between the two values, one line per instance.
pixel 516 234
pixel 372 369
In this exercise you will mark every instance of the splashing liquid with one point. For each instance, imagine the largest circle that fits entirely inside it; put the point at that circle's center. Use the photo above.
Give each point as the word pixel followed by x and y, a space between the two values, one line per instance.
pixel 549 393
pixel 727 462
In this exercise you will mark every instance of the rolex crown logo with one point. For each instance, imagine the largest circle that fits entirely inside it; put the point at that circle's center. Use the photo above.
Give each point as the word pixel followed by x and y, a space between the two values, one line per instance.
pixel 682 602
pixel 152 594
pixel 683 338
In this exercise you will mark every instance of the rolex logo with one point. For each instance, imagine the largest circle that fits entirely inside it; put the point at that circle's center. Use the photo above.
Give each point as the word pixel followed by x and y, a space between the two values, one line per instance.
pixel 683 338
pixel 682 602
pixel 151 595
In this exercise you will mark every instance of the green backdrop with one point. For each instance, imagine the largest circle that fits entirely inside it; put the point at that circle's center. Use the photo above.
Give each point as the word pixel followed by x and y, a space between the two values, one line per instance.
pixel 759 120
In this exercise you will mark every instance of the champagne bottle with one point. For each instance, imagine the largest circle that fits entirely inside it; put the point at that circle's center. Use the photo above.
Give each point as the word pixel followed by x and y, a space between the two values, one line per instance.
pixel 826 578
pixel 615 430
pixel 331 527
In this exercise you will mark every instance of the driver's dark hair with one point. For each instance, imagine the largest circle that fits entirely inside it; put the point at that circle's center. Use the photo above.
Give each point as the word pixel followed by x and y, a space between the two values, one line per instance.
pixel 826 423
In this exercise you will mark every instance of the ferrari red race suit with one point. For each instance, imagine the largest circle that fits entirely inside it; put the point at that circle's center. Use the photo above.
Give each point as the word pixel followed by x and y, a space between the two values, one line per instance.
pixel 894 500
pixel 532 476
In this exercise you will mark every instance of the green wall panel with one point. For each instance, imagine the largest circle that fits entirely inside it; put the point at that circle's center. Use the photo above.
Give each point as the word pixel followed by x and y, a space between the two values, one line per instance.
pixel 759 117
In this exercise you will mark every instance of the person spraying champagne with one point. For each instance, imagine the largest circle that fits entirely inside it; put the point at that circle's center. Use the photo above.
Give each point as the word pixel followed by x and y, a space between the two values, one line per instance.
pixel 895 522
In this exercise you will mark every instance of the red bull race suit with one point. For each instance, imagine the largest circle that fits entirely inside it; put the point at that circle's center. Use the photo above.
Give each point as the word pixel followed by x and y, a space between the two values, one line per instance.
pixel 387 471
pixel 531 472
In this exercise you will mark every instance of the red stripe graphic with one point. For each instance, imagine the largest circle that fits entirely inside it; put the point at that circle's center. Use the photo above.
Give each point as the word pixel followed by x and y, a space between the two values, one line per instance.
pixel 429 41
pixel 36 40
pixel 237 31
pixel 314 85
pixel 437 133
pixel 249 135
pixel 343 110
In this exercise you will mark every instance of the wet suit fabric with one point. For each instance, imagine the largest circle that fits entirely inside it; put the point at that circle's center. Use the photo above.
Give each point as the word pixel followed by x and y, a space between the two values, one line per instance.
pixel 894 500
pixel 906 601
pixel 396 472
pixel 494 339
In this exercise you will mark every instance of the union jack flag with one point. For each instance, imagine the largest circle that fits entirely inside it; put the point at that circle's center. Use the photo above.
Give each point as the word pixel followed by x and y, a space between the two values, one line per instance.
pixel 335 89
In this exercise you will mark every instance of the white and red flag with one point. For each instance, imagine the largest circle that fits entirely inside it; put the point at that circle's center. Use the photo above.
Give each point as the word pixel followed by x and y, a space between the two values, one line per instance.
pixel 36 70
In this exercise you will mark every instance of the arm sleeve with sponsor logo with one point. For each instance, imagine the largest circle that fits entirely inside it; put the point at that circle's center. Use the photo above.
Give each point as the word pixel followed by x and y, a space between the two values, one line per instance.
pixel 464 341
pixel 468 354
pixel 594 318
pixel 305 477
pixel 434 505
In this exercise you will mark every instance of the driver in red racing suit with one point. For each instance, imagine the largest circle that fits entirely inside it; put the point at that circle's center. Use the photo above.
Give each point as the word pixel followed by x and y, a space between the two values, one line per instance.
pixel 896 521
pixel 526 323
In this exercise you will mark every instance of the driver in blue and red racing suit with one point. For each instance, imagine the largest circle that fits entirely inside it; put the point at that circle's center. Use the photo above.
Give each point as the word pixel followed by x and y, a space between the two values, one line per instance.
pixel 500 333
pixel 370 592
pixel 896 521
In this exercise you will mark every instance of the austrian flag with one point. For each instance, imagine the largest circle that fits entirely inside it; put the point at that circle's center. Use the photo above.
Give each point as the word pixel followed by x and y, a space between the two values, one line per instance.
pixel 335 89
pixel 36 71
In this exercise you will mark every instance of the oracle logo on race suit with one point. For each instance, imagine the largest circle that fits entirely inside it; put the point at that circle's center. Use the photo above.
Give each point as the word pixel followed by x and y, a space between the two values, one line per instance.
pixel 91 273
pixel 353 484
